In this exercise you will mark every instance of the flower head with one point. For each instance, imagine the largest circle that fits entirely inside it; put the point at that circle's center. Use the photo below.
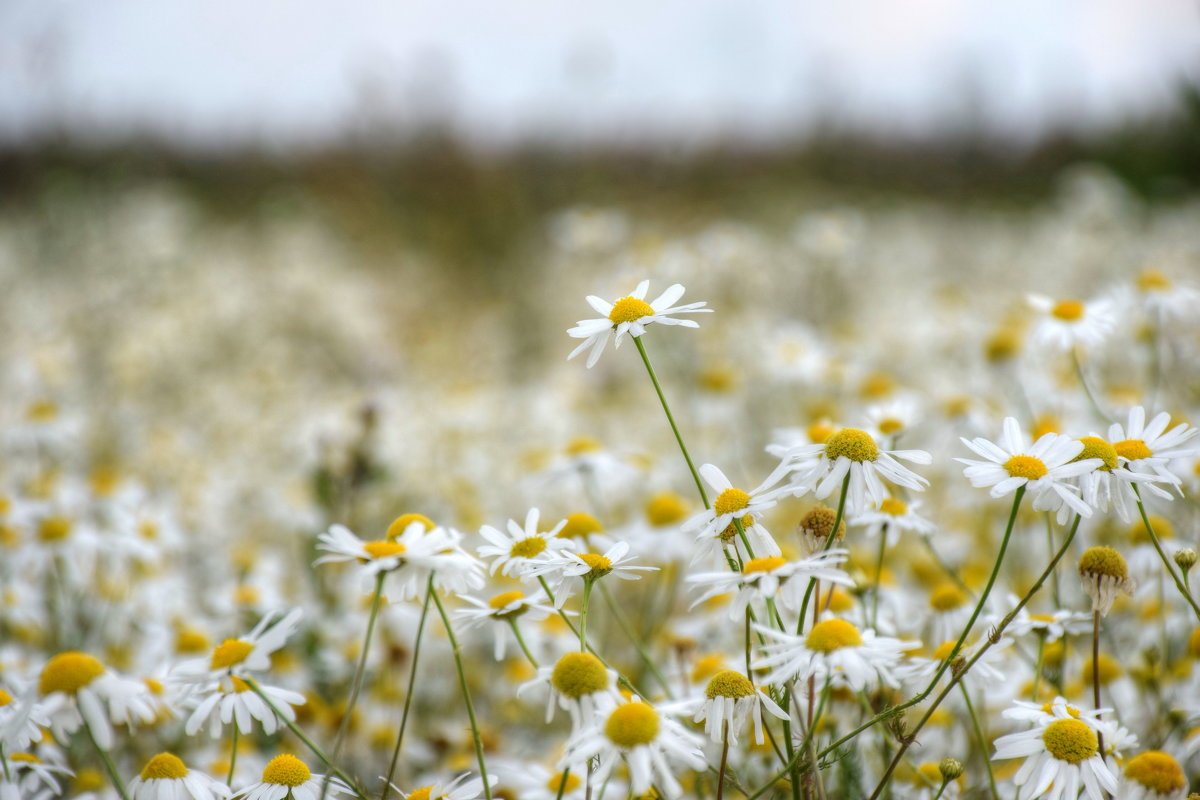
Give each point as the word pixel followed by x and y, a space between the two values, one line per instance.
pixel 630 314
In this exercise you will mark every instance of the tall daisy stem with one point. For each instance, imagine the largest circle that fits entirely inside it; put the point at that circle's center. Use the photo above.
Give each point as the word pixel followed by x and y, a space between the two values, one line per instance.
pixel 724 759
pixel 981 739
pixel 829 540
pixel 883 536
pixel 562 783
pixel 1037 667
pixel 1087 389
pixel 108 764
pixel 408 695
pixel 632 635
pixel 1096 675
pixel 1161 554
pixel 232 756
pixel 583 612
pixel 466 692
pixel 637 340
pixel 516 629
pixel 357 682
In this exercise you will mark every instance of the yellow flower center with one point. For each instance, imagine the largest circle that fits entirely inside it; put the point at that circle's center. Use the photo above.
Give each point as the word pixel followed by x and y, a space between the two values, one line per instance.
pixel 1042 617
pixel 27 758
pixel 555 784
pixel 731 501
pixel 1133 449
pixel 1109 670
pixel 632 724
pixel 501 600
pixel 1095 447
pixel 528 548
pixel 600 566
pixel 88 779
pixel 666 508
pixel 731 529
pixel 947 597
pixel 819 432
pixel 286 770
pixel 854 444
pixel 147 530
pixel 423 793
pixel 164 766
pixel 897 508
pixel 230 652
pixel 1157 771
pixel 944 650
pixel 841 602
pixel 1153 280
pixel 1070 740
pixel 190 640
pixel 383 549
pixel 1102 560
pixel 155 686
pixel 818 522
pixel 1003 345
pixel 69 672
pixel 765 564
pixel 41 411
pixel 832 634
pixel 582 445
pixel 711 664
pixel 1193 644
pixel 890 425
pixel 54 529
pixel 577 674
pixel 239 685
pixel 580 524
pixel 5 698
pixel 629 309
pixel 401 523
pixel 1068 310
pixel 1163 528
pixel 1048 708
pixel 1025 467
pixel 728 683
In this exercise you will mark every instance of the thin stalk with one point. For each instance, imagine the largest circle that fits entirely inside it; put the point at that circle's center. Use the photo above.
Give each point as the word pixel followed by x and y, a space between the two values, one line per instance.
pixel 979 737
pixel 232 756
pixel 4 761
pixel 108 764
pixel 883 534
pixel 1096 676
pixel 1166 561
pixel 1037 668
pixel 1050 545
pixel 357 681
pixel 794 759
pixel 516 629
pixel 637 340
pixel 562 783
pixel 466 692
pixel 741 530
pixel 940 791
pixel 792 753
pixel 634 639
pixel 829 540
pixel 408 696
pixel 583 612
pixel 724 759
pixel 1086 388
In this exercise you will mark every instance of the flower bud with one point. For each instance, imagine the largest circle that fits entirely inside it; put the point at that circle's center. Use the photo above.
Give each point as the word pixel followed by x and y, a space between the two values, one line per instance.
pixel 1185 558
pixel 950 768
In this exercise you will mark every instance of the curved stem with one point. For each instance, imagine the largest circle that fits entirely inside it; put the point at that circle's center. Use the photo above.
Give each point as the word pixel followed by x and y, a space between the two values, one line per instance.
pixel 1086 388
pixel 724 759
pixel 1166 561
pixel 108 764
pixel 983 743
pixel 829 540
pixel 583 612
pixel 232 756
pixel 883 535
pixel 466 692
pixel 1096 675
pixel 637 340
pixel 516 629
pixel 412 682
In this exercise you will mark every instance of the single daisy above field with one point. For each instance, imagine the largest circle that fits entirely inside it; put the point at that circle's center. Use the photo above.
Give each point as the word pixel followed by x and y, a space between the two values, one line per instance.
pixel 1063 324
pixel 732 503
pixel 250 653
pixel 770 578
pixel 1148 448
pixel 630 315
pixel 512 553
pixel 464 787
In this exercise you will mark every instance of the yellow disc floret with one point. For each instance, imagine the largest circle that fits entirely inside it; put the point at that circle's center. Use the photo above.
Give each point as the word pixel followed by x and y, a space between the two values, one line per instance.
pixel 230 652
pixel 383 548
pixel 1048 708
pixel 731 501
pixel 1029 467
pixel 1101 560
pixel 286 770
pixel 729 683
pixel 894 507
pixel 1193 644
pixel 1132 449
pixel 558 785
pixel 54 529
pixel 1153 280
pixel 666 508
pixel 631 725
pixel 818 522
pixel 1109 670
pixel 765 564
pixel 854 444
pixel 501 600
pixel 577 674
pixel 1095 447
pixel 1070 740
pixel 832 634
pixel 944 650
pixel 1157 771
pixel 600 566
pixel 401 523
pixel 164 766
pixel 528 547
pixel 5 698
pixel 1068 310
pixel 424 793
pixel 580 524
pixel 947 597
pixel 69 672
pixel 629 309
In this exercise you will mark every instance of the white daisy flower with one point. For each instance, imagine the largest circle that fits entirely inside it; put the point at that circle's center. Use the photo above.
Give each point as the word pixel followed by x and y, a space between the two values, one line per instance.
pixel 417 548
pixel 1111 485
pixel 856 453
pixel 532 781
pixel 231 699
pixel 251 653
pixel 501 610
pixel 287 776
pixel 1066 323
pixel 898 516
pixel 78 689
pixel 731 698
pixel 1153 775
pixel 733 503
pixel 992 669
pixel 1051 626
pixel 894 417
pixel 166 777
pixel 515 551
pixel 559 567
pixel 772 577
pixel 579 683
pixel 834 650
pixel 1043 467
pixel 1149 448
pixel 1104 574
pixel 458 789
pixel 1116 738
pixel 630 315
pixel 1061 756
pixel 645 738
pixel 21 720
pixel 33 778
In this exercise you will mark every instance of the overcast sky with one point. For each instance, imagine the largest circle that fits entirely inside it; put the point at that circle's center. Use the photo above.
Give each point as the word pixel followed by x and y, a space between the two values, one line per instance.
pixel 296 71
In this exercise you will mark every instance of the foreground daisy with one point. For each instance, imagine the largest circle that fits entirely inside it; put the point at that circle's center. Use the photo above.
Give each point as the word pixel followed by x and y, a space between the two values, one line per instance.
pixel 1149 448
pixel 729 699
pixel 513 552
pixel 578 683
pixel 558 567
pixel 250 653
pixel 833 650
pixel 232 700
pixel 166 777
pixel 502 611
pixel 630 315
pixel 1061 756
pixel 287 776
pixel 646 739
pixel 79 690
pixel 733 503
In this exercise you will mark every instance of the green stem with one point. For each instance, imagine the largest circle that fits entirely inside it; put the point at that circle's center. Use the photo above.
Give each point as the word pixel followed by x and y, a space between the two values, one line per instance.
pixel 1096 676
pixel 983 743
pixel 583 612
pixel 357 681
pixel 637 340
pixel 108 764
pixel 516 629
pixel 635 640
pixel 793 755
pixel 466 692
pixel 1050 545
pixel 1086 388
pixel 883 534
pixel 794 760
pixel 1037 668
pixel 232 756
pixel 4 761
pixel 1166 561
pixel 940 791
pixel 408 696
pixel 829 540
pixel 741 530
pixel 724 759
pixel 562 783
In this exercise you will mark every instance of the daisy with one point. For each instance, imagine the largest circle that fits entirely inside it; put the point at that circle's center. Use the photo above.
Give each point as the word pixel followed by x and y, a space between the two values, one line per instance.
pixel 645 738
pixel 897 516
pixel 21 720
pixel 1104 574
pixel 34 778
pixel 1051 626
pixel 1066 323
pixel 894 417
pixel 166 777
pixel 532 781
pixel 1060 756
pixel 287 776
pixel 772 577
pixel 1116 737
pixel 1043 467
pixel 502 611
pixel 231 699
pixel 516 551
pixel 579 683
pixel 471 790
pixel 992 668
pixel 1148 448
pixel 418 549
pixel 1153 775
pixel 730 699
pixel 856 453
pixel 732 503
pixel 251 653
pixel 1111 485
pixel 833 650
pixel 630 315
pixel 557 568
pixel 78 689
